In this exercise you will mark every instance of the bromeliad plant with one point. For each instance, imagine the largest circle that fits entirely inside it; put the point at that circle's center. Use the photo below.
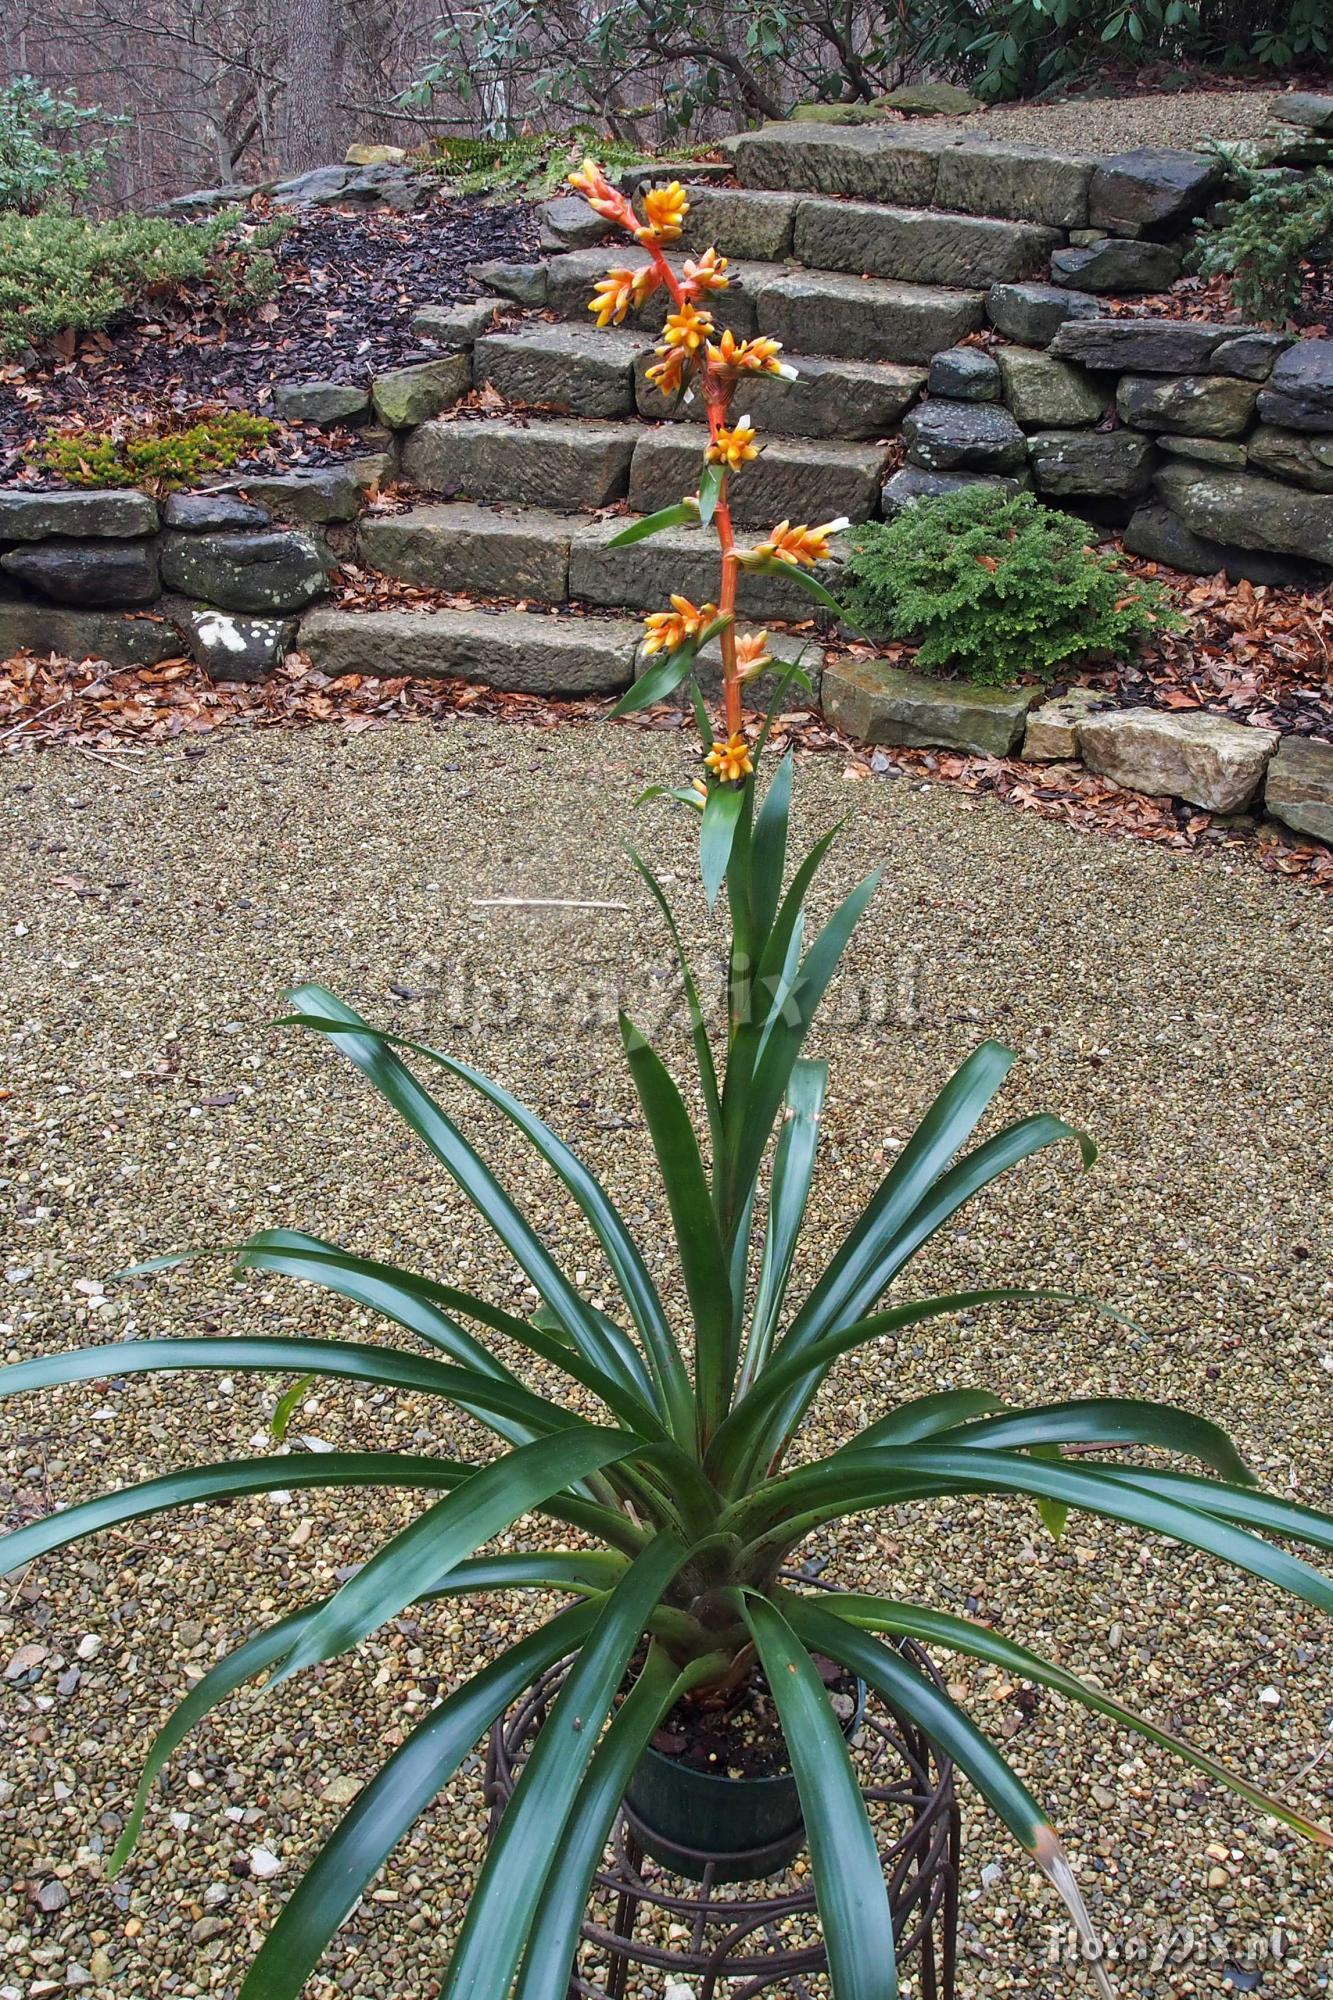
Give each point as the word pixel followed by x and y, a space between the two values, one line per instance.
pixel 685 1490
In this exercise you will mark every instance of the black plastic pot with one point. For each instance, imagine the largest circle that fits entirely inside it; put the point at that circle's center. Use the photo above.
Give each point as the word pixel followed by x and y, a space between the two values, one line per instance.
pixel 741 1828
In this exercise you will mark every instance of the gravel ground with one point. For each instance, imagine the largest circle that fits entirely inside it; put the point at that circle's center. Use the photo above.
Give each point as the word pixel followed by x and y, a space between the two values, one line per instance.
pixel 1115 124
pixel 1176 1007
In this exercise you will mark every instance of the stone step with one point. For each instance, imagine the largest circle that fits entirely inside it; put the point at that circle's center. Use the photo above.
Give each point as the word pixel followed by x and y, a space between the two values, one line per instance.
pixel 798 479
pixel 868 319
pixel 563 462
pixel 581 371
pixel 920 246
pixel 522 652
pixel 913 166
pixel 548 558
pixel 830 398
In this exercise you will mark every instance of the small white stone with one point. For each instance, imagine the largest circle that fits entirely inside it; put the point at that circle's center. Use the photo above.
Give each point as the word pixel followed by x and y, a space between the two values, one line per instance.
pixel 89 1646
pixel 1270 1697
pixel 264 1865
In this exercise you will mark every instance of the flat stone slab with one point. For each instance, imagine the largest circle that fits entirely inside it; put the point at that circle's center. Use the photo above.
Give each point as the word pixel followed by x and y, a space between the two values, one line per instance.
pixel 121 638
pixel 1210 406
pixel 273 571
pixel 1300 388
pixel 685 560
pixel 911 483
pixel 319 492
pixel 1032 314
pixel 964 437
pixel 97 571
pixel 1155 532
pixel 321 402
pixel 1203 758
pixel 1141 346
pixel 570 281
pixel 201 513
pixel 830 398
pixel 1251 512
pixel 34 517
pixel 567 223
pixel 1303 457
pixel 1052 730
pixel 1207 450
pixel 1116 264
pixel 1309 109
pixel 579 371
pixel 967 374
pixel 1298 789
pixel 558 462
pixel 1152 191
pixel 406 396
pixel 749 223
pixel 798 479
pixel 883 704
pixel 457 326
pixel 521 652
pixel 1045 392
pixel 1114 465
pixel 485 551
pixel 871 319
pixel 916 245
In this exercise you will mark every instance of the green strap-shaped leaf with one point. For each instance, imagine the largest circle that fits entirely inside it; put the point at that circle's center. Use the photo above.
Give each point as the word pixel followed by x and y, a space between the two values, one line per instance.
pixel 789 1191
pixel 768 848
pixel 929 1706
pixel 712 485
pixel 383 1811
pixel 717 832
pixel 554 1937
pixel 703 1051
pixel 853 1481
pixel 1118 1420
pixel 610 1228
pixel 505 1899
pixel 698 1241
pixel 978 1642
pixel 199 1483
pixel 387 1367
pixel 1242 1504
pixel 657 681
pixel 613 1353
pixel 850 1893
pixel 802 578
pixel 925 1416
pixel 683 514
pixel 419 1555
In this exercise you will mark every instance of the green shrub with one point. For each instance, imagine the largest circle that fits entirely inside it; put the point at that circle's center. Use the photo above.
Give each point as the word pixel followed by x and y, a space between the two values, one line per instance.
pixel 996 585
pixel 40 157
pixel 62 273
pixel 1263 243
pixel 161 459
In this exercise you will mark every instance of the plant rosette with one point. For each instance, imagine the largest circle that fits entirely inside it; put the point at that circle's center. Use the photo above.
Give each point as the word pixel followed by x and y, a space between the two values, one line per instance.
pixel 667 1478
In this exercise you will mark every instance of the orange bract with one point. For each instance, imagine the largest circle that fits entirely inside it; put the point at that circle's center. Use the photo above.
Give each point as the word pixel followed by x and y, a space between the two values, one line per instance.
pixel 707 274
pixel 620 289
pixel 731 761
pixel 666 630
pixel 665 208
pixel 735 447
pixel 801 546
pixel 687 327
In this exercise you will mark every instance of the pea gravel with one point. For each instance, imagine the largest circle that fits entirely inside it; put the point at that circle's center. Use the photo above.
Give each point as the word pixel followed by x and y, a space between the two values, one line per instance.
pixel 1095 124
pixel 1178 1008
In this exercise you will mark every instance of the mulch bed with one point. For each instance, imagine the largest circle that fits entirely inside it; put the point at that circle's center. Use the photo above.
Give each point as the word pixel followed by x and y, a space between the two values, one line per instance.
pixel 352 283
pixel 111 718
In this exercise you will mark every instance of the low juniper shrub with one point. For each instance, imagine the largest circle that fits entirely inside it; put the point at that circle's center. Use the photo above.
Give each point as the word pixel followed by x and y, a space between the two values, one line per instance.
pixel 996 586
pixel 1264 241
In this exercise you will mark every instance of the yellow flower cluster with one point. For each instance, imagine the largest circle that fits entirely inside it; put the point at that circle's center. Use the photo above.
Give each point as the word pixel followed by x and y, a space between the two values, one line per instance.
pixel 730 761
pixel 666 630
pixel 801 546
pixel 665 209
pixel 620 290
pixel 734 447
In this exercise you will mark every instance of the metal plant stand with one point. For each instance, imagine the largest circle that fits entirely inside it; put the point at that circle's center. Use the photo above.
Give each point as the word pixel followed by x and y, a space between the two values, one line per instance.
pixel 646 1926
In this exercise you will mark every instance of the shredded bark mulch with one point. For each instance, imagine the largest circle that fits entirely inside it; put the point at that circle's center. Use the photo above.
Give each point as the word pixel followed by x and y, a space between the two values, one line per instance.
pixel 351 285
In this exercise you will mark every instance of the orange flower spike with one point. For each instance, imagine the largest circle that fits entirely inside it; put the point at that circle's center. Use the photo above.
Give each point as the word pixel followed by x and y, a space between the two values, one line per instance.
pixel 612 297
pixel 666 630
pixel 802 547
pixel 731 761
pixel 599 194
pixel 752 654
pixel 665 208
pixel 687 328
pixel 707 274
pixel 734 447
pixel 749 357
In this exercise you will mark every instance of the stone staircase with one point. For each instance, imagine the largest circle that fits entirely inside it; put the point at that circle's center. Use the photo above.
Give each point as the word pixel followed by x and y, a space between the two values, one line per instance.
pixel 867 251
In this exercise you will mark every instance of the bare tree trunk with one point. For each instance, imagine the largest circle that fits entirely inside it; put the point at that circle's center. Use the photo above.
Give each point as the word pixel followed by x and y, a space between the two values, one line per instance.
pixel 311 124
